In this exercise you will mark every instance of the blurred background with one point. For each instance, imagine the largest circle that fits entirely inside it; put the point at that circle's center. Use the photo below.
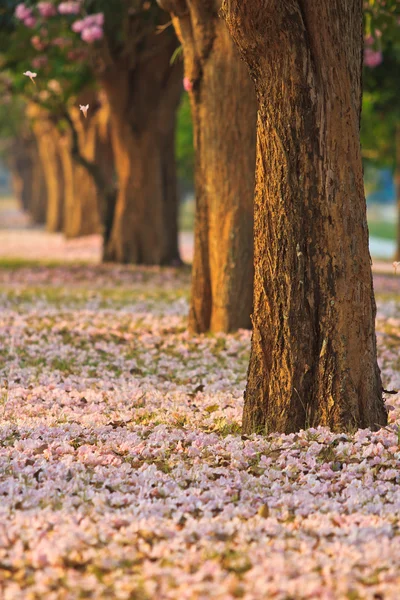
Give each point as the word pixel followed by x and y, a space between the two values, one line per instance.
pixel 62 176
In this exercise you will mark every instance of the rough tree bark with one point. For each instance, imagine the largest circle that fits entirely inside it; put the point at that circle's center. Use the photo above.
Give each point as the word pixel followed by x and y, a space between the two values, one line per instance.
pixel 143 90
pixel 313 356
pixel 224 118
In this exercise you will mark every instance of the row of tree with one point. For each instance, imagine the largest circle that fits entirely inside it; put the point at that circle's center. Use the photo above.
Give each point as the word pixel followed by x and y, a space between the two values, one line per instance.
pixel 285 72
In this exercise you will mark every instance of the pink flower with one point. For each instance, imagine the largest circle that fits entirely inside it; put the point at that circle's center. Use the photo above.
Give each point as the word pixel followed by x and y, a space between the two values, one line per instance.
pixel 187 84
pixel 78 26
pixel 89 22
pixel 46 9
pixel 37 43
pixel 96 19
pixel 91 34
pixel 372 58
pixel 30 22
pixel 84 109
pixel 69 8
pixel 22 12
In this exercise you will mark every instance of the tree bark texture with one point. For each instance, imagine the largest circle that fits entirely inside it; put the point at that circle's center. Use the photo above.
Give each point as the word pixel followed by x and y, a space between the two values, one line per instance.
pixel 143 96
pixel 224 118
pixel 47 139
pixel 313 355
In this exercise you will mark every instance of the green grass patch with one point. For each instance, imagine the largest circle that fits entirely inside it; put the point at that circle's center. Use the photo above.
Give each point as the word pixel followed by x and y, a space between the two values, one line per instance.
pixel 385 230
pixel 9 264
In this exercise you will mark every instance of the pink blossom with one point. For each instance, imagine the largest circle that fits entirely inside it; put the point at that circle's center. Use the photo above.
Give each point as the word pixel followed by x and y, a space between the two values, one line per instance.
pixel 78 26
pixel 37 43
pixel 46 9
pixel 30 22
pixel 90 28
pixel 69 8
pixel 92 34
pixel 22 12
pixel 372 58
pixel 187 84
pixel 95 19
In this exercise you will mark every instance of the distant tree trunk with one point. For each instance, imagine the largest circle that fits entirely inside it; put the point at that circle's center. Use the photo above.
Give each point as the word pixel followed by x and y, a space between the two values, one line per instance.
pixel 104 158
pixel 38 203
pixel 20 164
pixel 224 117
pixel 47 139
pixel 397 187
pixel 143 100
pixel 313 355
pixel 81 208
pixel 28 178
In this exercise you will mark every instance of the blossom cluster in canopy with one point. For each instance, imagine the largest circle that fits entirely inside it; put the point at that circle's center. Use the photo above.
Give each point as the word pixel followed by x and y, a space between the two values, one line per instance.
pixel 90 27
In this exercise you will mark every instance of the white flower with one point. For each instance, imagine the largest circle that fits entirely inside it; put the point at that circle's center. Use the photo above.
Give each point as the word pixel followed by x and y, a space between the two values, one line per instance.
pixel 30 75
pixel 84 109
pixel 396 265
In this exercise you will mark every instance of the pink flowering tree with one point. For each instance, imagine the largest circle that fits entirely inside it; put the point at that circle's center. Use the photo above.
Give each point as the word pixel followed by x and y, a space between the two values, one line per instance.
pixel 382 27
pixel 40 57
pixel 126 49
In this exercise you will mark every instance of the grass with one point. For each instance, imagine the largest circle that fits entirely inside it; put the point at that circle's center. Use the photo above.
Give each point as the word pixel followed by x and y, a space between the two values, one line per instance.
pixel 9 264
pixel 385 230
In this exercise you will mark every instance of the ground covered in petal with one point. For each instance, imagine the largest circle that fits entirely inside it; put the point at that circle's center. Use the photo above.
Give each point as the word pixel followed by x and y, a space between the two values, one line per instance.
pixel 123 472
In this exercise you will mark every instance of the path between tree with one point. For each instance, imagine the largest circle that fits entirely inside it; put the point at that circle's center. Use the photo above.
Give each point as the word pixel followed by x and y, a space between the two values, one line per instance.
pixel 20 239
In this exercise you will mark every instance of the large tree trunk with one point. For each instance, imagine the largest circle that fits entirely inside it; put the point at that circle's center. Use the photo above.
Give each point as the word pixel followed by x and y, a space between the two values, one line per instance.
pixel 224 118
pixel 38 203
pixel 81 207
pixel 397 188
pixel 313 356
pixel 143 102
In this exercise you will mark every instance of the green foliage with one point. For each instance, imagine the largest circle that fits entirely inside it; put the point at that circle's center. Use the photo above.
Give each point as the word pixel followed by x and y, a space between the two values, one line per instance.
pixel 381 17
pixel 381 109
pixel 184 142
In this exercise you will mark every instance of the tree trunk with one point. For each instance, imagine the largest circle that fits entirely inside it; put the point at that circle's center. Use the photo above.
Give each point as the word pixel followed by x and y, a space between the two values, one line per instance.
pixel 38 202
pixel 81 208
pixel 28 178
pixel 20 164
pixel 397 188
pixel 143 101
pixel 224 118
pixel 47 139
pixel 313 355
pixel 104 158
